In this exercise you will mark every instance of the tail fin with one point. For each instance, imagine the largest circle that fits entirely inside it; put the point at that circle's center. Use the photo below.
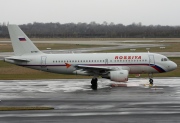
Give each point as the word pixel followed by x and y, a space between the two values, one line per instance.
pixel 20 42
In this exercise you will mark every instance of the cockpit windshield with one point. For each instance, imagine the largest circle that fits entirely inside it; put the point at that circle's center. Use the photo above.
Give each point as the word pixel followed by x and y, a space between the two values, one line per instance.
pixel 164 59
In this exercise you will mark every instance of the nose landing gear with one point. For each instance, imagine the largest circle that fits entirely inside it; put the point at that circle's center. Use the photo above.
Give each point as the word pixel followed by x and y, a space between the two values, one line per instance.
pixel 150 78
pixel 151 81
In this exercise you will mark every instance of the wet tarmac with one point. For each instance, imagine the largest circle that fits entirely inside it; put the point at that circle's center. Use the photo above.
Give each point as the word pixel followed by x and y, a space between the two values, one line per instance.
pixel 74 101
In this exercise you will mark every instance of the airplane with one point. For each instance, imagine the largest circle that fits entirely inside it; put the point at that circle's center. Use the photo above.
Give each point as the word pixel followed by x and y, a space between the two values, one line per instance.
pixel 113 66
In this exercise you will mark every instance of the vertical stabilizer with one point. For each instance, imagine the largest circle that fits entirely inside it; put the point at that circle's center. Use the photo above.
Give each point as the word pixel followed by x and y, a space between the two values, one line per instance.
pixel 20 42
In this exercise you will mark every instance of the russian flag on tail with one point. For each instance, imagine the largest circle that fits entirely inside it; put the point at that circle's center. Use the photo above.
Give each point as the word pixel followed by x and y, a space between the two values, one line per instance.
pixel 22 39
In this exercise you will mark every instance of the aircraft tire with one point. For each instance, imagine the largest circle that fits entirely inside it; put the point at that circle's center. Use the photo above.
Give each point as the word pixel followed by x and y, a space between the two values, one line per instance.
pixel 94 83
pixel 151 81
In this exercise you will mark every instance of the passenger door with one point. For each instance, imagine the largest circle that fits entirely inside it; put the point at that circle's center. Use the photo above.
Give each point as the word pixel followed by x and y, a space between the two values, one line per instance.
pixel 43 61
pixel 106 61
pixel 151 60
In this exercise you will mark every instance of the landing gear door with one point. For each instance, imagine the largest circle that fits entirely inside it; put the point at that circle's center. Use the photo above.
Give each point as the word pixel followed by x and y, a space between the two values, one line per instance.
pixel 43 61
pixel 151 60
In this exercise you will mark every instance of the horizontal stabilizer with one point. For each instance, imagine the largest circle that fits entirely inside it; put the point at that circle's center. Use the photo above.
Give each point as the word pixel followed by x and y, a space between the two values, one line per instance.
pixel 17 59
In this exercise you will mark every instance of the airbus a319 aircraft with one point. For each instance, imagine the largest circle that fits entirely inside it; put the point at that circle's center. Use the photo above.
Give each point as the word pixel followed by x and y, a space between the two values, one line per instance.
pixel 113 66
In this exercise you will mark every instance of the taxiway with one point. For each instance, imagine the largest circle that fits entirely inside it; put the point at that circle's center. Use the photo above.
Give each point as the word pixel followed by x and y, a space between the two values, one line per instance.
pixel 74 101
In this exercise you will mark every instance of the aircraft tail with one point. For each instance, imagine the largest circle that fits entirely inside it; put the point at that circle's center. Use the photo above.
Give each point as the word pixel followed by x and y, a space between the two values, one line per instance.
pixel 20 42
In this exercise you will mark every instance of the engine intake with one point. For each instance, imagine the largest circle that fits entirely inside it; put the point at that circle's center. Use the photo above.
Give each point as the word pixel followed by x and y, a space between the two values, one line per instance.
pixel 119 76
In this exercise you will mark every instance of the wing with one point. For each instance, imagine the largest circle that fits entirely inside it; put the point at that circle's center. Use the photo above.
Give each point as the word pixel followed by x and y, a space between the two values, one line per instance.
pixel 93 67
pixel 100 70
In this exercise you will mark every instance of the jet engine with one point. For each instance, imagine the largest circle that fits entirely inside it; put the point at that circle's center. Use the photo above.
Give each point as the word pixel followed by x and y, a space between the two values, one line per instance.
pixel 119 76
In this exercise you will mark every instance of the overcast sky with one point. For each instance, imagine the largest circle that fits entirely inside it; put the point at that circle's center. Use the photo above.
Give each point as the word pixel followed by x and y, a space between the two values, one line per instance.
pixel 163 12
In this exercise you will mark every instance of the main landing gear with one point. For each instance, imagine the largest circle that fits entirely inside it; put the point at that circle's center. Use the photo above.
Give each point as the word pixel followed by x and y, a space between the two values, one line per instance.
pixel 94 83
pixel 150 78
pixel 151 81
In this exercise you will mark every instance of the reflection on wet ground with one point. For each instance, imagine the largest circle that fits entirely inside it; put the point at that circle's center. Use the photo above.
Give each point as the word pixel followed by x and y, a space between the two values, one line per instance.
pixel 74 100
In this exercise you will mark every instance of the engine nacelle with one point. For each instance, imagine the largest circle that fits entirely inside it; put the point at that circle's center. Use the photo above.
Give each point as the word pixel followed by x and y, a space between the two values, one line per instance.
pixel 119 76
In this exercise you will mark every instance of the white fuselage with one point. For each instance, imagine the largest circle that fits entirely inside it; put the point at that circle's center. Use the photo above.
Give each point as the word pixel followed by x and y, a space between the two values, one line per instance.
pixel 135 63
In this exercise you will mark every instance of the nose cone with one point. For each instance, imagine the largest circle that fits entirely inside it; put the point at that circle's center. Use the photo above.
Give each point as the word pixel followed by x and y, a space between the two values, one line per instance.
pixel 172 66
pixel 175 66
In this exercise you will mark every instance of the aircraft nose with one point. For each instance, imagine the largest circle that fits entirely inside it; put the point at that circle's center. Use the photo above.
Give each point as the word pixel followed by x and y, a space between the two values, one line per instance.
pixel 173 66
